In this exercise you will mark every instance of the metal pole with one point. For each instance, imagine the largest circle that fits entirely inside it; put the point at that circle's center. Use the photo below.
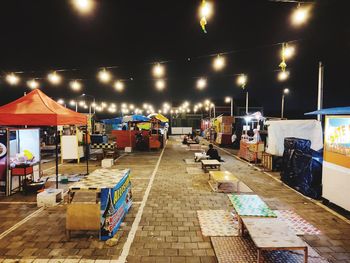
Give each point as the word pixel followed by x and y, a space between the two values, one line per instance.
pixel 231 106
pixel 94 106
pixel 214 110
pixel 76 105
pixel 246 102
pixel 282 106
pixel 86 150
pixel 56 150
pixel 320 89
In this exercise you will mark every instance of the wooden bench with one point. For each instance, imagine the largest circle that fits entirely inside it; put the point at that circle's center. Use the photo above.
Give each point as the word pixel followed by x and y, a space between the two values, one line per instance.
pixel 226 182
pixel 210 164
pixel 273 234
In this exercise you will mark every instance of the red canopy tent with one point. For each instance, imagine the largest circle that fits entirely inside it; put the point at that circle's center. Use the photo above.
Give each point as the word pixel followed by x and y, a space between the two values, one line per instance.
pixel 37 109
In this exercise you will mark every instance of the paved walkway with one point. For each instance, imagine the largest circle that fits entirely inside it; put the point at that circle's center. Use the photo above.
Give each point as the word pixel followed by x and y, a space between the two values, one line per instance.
pixel 167 229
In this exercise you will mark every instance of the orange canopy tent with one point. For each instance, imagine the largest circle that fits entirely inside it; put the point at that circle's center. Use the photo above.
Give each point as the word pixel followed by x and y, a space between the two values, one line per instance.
pixel 37 109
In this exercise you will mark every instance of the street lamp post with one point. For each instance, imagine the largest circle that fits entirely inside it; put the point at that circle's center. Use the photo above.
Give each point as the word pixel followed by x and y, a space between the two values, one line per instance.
pixel 246 102
pixel 94 102
pixel 285 92
pixel 227 100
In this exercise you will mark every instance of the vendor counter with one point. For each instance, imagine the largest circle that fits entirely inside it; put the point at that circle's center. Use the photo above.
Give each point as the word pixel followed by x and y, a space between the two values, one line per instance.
pixel 99 202
pixel 250 151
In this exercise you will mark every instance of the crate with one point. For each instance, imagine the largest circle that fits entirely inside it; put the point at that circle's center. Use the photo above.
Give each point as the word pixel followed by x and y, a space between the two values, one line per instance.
pixel 49 197
pixel 266 161
pixel 107 163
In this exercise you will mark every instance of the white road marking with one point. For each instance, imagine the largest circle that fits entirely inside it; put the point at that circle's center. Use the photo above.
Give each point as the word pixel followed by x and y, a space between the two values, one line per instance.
pixel 14 227
pixel 135 225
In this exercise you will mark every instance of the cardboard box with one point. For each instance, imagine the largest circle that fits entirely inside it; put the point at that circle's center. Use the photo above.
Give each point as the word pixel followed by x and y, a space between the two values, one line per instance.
pixel 49 197
pixel 107 163
pixel 128 149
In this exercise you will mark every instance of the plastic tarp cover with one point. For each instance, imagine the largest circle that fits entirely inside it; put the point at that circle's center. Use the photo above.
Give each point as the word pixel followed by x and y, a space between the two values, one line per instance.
pixel 303 129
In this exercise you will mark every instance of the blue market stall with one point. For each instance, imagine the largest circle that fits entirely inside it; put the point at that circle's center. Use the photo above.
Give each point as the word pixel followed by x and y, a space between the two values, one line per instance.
pixel 336 155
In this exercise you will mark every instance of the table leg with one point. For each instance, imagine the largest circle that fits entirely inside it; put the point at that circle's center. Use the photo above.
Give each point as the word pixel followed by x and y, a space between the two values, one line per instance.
pixel 306 255
pixel 259 257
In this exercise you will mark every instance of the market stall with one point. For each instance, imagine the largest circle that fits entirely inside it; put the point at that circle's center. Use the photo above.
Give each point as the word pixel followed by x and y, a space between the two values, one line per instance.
pixel 36 109
pixel 99 202
pixel 251 145
pixel 159 132
pixel 125 135
pixel 336 156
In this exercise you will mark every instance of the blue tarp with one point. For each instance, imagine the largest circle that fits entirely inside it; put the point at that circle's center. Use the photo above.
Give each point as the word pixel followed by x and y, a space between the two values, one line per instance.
pixel 331 111
pixel 114 121
pixel 135 118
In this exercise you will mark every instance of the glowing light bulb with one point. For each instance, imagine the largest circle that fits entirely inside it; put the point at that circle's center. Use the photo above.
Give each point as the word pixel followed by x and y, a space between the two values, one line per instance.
pixel 228 99
pixel 205 9
pixel 75 85
pixel 12 79
pixel 283 75
pixel 104 76
pixel 83 6
pixel 219 63
pixel 119 86
pixel 242 80
pixel 160 84
pixel 286 91
pixel 82 103
pixel 300 15
pixel 288 52
pixel 60 101
pixel 158 70
pixel 54 78
pixel 201 83
pixel 33 84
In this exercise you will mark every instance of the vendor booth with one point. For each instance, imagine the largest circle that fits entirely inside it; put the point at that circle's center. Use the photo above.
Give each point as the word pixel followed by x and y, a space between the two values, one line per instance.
pixel 20 158
pixel 33 109
pixel 336 156
pixel 251 146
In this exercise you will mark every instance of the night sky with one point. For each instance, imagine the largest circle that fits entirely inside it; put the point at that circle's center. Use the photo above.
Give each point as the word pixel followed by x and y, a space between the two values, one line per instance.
pixel 42 35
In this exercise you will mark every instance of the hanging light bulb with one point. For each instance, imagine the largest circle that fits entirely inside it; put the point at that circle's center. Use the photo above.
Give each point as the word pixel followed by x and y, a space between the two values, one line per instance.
pixel 158 70
pixel 300 15
pixel 119 86
pixel 219 63
pixel 201 83
pixel 160 84
pixel 288 51
pixel 60 101
pixel 75 85
pixel 72 102
pixel 104 76
pixel 83 6
pixel 242 80
pixel 54 78
pixel 283 75
pixel 12 79
pixel 33 84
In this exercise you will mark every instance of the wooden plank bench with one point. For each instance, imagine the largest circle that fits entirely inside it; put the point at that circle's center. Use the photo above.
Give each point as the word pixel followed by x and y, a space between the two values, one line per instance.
pixel 273 234
pixel 210 164
pixel 226 182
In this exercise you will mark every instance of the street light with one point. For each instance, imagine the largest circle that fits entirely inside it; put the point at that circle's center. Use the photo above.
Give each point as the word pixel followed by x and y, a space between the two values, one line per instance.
pixel 285 92
pixel 94 102
pixel 227 100
pixel 300 15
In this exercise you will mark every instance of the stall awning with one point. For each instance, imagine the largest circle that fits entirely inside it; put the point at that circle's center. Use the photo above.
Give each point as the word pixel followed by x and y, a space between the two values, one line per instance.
pixel 331 111
pixel 37 109
pixel 159 117
pixel 114 121
pixel 135 118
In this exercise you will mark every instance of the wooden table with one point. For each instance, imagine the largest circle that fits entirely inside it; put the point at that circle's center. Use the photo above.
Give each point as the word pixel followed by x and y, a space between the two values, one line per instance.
pixel 273 234
pixel 220 180
pixel 211 164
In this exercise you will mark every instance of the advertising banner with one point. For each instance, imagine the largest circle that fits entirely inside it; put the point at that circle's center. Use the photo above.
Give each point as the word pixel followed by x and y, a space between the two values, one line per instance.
pixel 337 140
pixel 115 203
pixel 3 159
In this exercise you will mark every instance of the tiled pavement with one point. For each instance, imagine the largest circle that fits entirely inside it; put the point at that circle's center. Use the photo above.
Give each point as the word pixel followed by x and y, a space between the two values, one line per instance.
pixel 169 229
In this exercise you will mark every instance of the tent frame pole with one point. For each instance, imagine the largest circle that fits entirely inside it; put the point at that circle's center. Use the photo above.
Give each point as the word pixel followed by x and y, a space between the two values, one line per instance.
pixel 56 150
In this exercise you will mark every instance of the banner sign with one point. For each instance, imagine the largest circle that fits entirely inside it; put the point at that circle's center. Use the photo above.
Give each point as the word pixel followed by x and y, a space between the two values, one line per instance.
pixel 115 203
pixel 3 159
